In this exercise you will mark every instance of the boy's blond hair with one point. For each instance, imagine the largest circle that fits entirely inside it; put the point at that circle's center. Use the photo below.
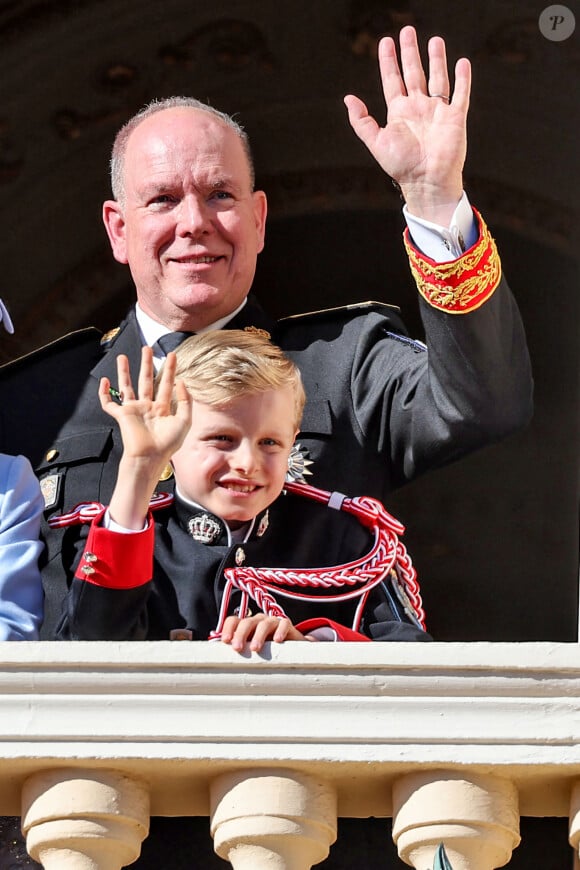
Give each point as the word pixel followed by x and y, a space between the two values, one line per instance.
pixel 224 364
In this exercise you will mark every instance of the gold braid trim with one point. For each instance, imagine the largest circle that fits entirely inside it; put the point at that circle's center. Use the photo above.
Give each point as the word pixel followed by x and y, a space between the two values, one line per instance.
pixel 462 285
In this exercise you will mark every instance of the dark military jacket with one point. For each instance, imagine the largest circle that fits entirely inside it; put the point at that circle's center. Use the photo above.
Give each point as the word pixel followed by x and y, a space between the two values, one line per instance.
pixel 186 580
pixel 380 409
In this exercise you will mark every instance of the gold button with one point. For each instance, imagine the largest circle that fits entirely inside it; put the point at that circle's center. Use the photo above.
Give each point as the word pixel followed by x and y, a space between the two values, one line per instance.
pixel 167 472
pixel 51 454
pixel 255 330
pixel 110 335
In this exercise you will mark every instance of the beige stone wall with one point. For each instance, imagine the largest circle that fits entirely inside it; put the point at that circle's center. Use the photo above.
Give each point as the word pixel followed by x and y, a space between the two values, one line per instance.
pixel 453 741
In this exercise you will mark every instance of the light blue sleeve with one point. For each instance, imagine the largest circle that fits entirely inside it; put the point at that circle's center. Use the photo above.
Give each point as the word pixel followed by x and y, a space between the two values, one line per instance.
pixel 21 506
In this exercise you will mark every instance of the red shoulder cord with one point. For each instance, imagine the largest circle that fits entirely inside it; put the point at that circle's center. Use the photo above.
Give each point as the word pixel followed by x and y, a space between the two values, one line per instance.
pixel 86 511
pixel 350 579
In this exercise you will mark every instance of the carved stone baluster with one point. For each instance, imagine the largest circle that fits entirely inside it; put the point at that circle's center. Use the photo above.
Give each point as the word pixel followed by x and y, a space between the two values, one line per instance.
pixel 476 817
pixel 84 819
pixel 574 835
pixel 273 819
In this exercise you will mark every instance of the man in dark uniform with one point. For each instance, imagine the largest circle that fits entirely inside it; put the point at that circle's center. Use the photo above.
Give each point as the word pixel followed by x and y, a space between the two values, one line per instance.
pixel 187 221
pixel 380 409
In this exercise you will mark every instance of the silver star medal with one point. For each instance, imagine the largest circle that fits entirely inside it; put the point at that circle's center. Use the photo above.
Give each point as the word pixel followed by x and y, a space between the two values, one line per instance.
pixel 297 464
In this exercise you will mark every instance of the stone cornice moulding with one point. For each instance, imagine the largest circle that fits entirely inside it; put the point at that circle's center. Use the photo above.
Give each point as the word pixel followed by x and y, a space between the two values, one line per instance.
pixel 359 715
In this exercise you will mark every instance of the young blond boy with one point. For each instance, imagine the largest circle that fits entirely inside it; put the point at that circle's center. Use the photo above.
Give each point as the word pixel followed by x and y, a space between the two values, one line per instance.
pixel 224 416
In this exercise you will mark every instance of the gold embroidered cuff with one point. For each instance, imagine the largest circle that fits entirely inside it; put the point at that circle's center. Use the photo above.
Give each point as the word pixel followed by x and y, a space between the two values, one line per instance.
pixel 462 285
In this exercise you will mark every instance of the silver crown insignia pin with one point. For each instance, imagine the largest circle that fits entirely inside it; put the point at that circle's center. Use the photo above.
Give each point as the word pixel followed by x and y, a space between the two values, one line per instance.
pixel 204 529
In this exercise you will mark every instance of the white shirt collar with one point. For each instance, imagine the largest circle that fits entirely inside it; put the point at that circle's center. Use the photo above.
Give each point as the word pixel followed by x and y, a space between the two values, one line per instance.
pixel 151 330
pixel 235 536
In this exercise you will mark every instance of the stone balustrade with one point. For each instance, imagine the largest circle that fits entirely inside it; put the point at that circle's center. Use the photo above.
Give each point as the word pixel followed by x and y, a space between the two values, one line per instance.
pixel 451 741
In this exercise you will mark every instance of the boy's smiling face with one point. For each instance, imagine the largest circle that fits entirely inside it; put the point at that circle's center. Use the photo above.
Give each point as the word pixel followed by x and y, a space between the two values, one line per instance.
pixel 234 458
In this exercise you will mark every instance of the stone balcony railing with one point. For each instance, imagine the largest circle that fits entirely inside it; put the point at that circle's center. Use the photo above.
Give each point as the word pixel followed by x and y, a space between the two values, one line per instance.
pixel 453 741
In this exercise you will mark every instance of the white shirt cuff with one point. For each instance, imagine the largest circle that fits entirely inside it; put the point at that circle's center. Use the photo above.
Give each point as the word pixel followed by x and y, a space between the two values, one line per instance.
pixel 444 244
pixel 108 523
pixel 324 633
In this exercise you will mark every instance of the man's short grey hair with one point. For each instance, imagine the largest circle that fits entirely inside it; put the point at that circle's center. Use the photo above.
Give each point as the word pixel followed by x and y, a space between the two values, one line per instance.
pixel 120 144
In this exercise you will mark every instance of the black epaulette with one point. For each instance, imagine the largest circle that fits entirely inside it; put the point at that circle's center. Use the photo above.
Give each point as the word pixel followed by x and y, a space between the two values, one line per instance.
pixel 391 314
pixel 70 342
pixel 345 311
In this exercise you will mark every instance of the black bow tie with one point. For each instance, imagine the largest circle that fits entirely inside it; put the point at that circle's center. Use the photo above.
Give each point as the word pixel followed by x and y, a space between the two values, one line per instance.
pixel 171 340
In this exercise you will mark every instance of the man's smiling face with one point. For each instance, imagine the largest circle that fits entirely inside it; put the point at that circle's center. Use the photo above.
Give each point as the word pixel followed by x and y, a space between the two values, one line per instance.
pixel 189 225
